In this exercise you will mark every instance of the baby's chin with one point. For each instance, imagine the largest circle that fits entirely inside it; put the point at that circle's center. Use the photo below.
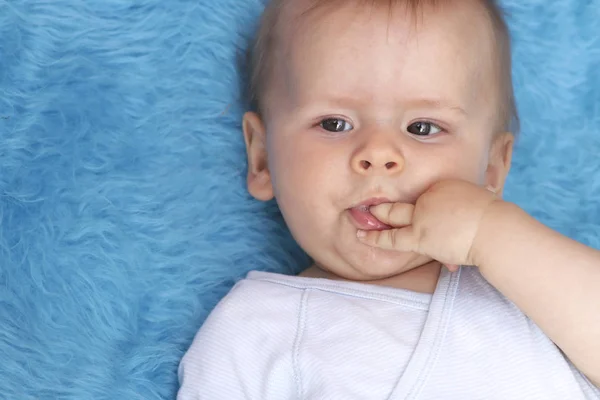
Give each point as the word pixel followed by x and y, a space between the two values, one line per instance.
pixel 373 264
pixel 402 271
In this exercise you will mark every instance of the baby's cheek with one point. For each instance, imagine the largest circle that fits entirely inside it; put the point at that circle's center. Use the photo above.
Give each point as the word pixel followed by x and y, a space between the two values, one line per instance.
pixel 464 165
pixel 310 227
pixel 424 178
pixel 302 194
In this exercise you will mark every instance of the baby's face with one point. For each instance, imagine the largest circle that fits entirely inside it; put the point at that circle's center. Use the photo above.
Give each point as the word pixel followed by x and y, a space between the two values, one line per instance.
pixel 367 109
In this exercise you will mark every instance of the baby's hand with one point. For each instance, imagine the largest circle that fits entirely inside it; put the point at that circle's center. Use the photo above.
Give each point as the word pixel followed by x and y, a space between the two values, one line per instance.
pixel 443 224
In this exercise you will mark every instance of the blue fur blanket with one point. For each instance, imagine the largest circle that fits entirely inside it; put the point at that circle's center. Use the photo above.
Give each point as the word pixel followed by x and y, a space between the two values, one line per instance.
pixel 124 215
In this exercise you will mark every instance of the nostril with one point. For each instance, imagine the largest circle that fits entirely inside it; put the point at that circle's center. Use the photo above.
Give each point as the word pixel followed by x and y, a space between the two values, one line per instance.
pixel 365 164
pixel 390 165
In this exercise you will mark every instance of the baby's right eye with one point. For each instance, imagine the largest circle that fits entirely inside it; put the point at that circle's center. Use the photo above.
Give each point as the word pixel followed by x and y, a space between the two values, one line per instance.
pixel 336 125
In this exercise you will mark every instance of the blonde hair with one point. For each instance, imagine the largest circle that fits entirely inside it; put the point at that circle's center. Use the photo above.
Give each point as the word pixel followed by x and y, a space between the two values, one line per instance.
pixel 260 57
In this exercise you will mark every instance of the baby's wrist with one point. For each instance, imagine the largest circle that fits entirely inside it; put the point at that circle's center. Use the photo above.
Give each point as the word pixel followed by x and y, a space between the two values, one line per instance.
pixel 488 233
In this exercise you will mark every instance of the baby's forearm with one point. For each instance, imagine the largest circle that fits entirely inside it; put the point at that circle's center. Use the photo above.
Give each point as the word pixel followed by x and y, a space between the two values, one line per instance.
pixel 551 278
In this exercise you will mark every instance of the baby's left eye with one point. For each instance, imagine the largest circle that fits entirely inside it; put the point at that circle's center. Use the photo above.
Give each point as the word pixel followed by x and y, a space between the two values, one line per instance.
pixel 336 125
pixel 422 128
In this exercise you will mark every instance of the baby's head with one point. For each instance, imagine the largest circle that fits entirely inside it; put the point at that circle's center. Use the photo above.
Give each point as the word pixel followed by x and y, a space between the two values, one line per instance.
pixel 359 102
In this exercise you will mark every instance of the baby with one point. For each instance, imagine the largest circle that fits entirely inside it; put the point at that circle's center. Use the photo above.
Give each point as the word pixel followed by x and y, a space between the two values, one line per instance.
pixel 384 129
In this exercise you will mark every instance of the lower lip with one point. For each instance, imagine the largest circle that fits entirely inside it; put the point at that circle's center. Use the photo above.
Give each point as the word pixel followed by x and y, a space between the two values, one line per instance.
pixel 366 221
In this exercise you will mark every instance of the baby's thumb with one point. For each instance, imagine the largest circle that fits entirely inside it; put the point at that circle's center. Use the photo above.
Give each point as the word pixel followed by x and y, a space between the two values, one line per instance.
pixel 401 239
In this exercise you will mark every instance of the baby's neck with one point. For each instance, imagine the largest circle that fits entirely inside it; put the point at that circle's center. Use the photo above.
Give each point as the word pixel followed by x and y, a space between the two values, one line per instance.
pixel 421 279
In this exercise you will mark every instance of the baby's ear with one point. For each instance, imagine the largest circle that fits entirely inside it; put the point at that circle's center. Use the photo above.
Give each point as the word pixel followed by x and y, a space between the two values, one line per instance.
pixel 259 177
pixel 499 162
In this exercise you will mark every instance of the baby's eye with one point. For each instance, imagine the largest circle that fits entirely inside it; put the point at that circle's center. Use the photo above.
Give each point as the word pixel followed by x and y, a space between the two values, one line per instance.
pixel 422 128
pixel 336 125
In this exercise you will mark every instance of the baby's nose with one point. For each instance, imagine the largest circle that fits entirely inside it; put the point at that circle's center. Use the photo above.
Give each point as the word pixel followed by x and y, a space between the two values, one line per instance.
pixel 390 165
pixel 383 160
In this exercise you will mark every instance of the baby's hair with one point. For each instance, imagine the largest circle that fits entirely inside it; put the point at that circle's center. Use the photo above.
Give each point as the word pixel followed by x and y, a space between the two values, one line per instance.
pixel 261 57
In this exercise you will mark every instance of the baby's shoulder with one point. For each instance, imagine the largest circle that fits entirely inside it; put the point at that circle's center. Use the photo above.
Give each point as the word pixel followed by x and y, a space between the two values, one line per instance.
pixel 261 299
pixel 246 340
pixel 265 288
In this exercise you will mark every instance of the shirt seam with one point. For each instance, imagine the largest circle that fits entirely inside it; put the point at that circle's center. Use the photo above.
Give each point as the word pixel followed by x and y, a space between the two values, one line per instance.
pixel 300 327
pixel 355 293
pixel 439 337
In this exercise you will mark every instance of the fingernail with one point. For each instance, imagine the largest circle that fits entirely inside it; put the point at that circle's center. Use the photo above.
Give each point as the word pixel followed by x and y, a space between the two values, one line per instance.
pixel 361 234
pixel 452 267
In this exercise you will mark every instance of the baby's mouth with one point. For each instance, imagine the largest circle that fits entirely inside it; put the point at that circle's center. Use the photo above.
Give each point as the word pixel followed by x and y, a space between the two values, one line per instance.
pixel 363 219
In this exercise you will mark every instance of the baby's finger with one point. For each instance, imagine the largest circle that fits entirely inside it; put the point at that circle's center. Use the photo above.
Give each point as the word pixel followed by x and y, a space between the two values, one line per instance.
pixel 452 267
pixel 394 214
pixel 390 239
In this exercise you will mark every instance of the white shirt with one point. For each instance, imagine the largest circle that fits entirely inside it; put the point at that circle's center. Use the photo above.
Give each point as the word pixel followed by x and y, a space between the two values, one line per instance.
pixel 281 337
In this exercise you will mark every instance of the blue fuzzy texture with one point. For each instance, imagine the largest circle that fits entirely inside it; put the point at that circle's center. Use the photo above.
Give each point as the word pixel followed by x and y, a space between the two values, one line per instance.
pixel 124 213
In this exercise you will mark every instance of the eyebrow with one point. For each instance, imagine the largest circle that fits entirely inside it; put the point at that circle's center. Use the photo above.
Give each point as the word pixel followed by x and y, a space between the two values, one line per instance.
pixel 419 103
pixel 435 103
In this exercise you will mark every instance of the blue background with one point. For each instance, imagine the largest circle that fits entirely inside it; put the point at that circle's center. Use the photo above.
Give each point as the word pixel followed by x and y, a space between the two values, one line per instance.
pixel 124 213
